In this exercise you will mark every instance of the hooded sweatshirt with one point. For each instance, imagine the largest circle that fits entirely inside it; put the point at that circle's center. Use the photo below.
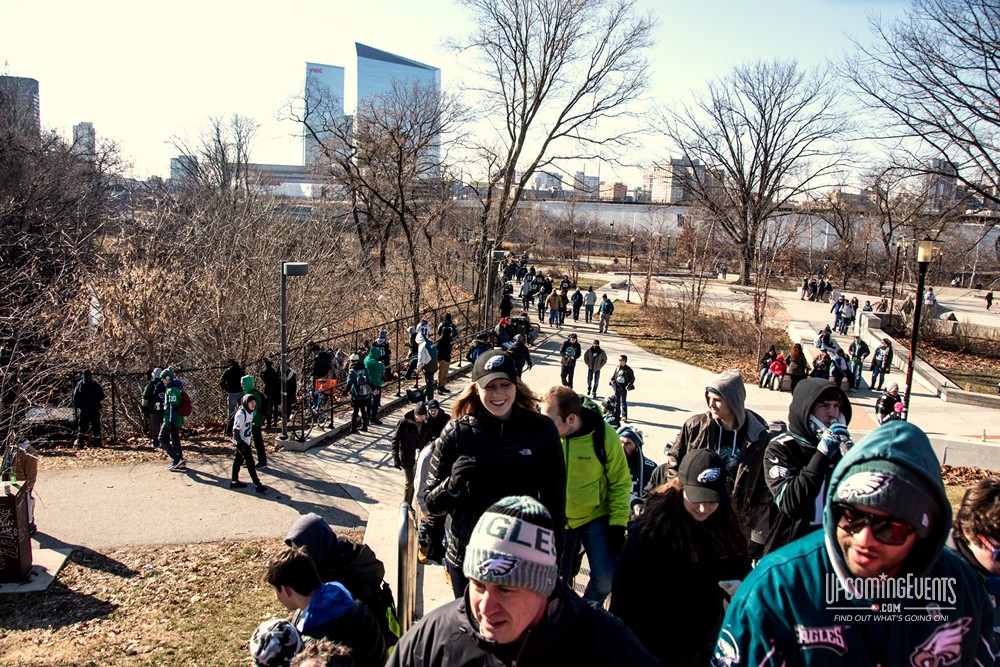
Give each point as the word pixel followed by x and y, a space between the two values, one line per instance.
pixel 594 490
pixel 795 470
pixel 334 614
pixel 258 411
pixel 374 366
pixel 792 608
pixel 741 448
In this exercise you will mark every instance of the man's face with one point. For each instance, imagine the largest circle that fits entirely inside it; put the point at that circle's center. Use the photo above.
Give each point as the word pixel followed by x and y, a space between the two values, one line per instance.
pixel 433 412
pixel 621 362
pixel 719 409
pixel 867 557
pixel 982 548
pixel 566 427
pixel 503 612
pixel 420 418
pixel 629 447
pixel 827 412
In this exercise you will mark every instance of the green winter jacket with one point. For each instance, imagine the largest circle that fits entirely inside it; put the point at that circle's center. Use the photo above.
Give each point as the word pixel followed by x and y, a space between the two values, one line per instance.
pixel 593 490
pixel 375 367
pixel 801 604
pixel 172 405
pixel 258 411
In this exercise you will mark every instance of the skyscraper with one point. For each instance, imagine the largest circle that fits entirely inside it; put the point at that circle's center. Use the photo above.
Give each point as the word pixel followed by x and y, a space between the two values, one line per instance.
pixel 85 140
pixel 19 105
pixel 380 71
pixel 324 104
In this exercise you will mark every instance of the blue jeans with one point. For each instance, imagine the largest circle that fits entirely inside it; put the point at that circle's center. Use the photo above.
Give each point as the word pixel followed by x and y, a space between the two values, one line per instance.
pixel 553 316
pixel 878 376
pixel 593 380
pixel 588 312
pixel 857 367
pixel 594 537
pixel 458 580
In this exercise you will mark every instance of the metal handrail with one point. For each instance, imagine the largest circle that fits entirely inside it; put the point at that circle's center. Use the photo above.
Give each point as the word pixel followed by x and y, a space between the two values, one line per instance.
pixel 406 576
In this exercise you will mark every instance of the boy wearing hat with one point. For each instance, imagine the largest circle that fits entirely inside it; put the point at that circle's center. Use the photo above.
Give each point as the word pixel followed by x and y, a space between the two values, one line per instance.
pixel 516 609
pixel 170 437
pixel 412 433
pixel 737 435
pixel 884 407
pixel 820 600
pixel 153 395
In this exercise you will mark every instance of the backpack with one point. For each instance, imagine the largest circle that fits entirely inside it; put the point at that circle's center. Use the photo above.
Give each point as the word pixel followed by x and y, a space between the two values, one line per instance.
pixel 362 386
pixel 186 407
pixel 599 450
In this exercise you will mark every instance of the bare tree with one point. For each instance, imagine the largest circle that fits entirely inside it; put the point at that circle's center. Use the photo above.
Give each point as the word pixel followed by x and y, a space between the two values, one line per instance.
pixel 934 78
pixel 762 135
pixel 561 76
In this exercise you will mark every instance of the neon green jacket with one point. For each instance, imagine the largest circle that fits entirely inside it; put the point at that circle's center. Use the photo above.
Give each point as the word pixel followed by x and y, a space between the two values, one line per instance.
pixel 593 490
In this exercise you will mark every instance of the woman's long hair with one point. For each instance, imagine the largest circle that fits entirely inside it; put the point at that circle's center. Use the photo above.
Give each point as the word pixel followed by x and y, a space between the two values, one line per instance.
pixel 665 518
pixel 468 401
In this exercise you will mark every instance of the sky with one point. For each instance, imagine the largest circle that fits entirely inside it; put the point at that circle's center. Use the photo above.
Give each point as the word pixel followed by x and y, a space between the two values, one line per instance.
pixel 143 73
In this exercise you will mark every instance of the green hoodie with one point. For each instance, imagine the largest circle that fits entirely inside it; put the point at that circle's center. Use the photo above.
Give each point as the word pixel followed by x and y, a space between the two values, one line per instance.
pixel 258 411
pixel 375 367
pixel 797 606
pixel 593 490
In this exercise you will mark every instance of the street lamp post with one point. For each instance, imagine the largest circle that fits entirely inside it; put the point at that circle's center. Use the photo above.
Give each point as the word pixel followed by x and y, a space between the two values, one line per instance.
pixel 287 269
pixel 589 234
pixel 925 253
pixel 573 253
pixel 631 254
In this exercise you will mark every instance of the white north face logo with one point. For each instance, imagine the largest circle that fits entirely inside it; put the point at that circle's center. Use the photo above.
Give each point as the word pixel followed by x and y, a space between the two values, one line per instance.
pixel 862 484
pixel 709 475
pixel 495 362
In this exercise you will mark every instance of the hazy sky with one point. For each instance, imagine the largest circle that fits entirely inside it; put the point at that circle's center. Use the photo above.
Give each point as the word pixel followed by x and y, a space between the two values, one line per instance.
pixel 144 72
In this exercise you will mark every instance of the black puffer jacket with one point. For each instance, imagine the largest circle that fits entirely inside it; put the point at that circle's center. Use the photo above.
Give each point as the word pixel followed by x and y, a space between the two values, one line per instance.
pixel 518 456
pixel 409 438
pixel 571 633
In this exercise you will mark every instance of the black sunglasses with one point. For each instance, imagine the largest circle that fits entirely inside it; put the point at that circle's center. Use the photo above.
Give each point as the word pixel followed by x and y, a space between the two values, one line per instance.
pixel 885 529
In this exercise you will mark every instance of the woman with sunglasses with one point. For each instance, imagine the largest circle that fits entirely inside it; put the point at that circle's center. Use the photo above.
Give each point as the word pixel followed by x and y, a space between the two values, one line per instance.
pixel 686 548
pixel 976 535
pixel 496 445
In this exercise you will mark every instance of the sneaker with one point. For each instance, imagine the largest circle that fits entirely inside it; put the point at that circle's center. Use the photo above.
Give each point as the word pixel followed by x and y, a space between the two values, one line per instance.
pixel 422 554
pixel 236 484
pixel 260 488
pixel 376 421
pixel 262 464
pixel 178 466
pixel 364 428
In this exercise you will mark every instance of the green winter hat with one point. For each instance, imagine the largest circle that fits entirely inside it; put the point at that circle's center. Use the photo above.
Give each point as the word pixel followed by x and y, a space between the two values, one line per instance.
pixel 897 490
pixel 168 373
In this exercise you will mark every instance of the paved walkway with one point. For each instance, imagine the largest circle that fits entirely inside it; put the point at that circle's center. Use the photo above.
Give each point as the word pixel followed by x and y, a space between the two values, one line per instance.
pixel 349 480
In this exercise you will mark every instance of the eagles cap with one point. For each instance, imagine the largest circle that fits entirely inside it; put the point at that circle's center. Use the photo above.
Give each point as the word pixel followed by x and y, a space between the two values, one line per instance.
pixel 703 474
pixel 493 366
pixel 513 544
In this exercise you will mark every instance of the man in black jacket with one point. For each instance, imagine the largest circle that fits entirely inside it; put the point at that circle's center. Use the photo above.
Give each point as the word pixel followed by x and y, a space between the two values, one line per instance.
pixel 436 419
pixel 569 353
pixel 87 399
pixel 412 433
pixel 798 464
pixel 622 381
pixel 516 610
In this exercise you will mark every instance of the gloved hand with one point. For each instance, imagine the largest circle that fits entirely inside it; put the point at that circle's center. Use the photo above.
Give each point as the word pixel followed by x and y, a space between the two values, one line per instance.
pixel 834 441
pixel 616 540
pixel 463 471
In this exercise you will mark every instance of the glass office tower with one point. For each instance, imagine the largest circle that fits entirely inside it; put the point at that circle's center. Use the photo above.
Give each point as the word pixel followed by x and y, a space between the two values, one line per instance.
pixel 324 105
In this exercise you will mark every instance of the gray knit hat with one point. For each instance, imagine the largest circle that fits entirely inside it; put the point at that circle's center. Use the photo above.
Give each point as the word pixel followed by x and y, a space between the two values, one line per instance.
pixel 274 643
pixel 513 544
pixel 897 490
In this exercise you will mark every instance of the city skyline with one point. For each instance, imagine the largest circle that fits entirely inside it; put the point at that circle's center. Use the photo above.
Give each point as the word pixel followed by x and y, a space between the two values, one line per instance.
pixel 161 91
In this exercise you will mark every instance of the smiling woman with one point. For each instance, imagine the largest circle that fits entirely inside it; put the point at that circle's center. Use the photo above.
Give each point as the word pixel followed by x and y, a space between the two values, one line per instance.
pixel 496 445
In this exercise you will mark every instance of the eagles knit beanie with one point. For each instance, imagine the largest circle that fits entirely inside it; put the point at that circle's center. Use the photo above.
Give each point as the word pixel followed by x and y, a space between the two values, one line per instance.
pixel 513 544
pixel 274 643
pixel 897 490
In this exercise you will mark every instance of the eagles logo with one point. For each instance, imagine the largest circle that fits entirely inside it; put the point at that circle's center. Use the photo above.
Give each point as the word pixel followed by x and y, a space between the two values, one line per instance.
pixel 498 566
pixel 862 484
pixel 494 363
pixel 944 647
pixel 708 475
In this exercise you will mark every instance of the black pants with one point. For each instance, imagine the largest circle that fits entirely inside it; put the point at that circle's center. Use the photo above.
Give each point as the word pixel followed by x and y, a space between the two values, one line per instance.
pixel 89 421
pixel 376 403
pixel 244 457
pixel 258 443
pixel 155 420
pixel 621 404
pixel 170 441
pixel 566 375
pixel 362 408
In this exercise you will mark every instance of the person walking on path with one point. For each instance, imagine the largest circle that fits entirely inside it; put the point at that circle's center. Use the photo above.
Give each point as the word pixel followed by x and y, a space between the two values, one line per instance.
pixel 258 419
pixel 797 366
pixel 569 353
pixel 87 399
pixel 444 346
pixel 554 303
pixel 589 301
pixel 170 438
pixel 605 311
pixel 153 396
pixel 595 358
pixel 496 445
pixel 598 489
pixel 623 381
pixel 577 301
pixel 359 387
pixel 376 371
pixel 859 351
pixel 989 300
pixel 242 440
pixel 412 433
pixel 231 383
pixel 881 364
pixel 522 356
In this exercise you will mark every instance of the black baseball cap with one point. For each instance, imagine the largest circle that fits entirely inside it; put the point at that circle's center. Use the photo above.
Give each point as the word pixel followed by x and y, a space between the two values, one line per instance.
pixel 703 474
pixel 493 366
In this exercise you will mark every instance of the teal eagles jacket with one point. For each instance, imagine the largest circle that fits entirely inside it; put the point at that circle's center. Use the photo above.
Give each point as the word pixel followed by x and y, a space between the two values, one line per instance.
pixel 795 607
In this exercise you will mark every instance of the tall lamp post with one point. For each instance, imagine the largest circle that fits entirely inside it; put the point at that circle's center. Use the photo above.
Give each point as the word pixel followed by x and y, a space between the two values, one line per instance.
pixel 925 253
pixel 590 233
pixel 631 254
pixel 287 269
pixel 573 257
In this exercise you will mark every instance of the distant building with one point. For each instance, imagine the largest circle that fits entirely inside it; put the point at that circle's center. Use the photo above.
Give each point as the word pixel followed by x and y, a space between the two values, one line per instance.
pixel 586 187
pixel 381 72
pixel 673 182
pixel 19 106
pixel 941 185
pixel 613 192
pixel 547 180
pixel 85 140
pixel 183 169
pixel 324 104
